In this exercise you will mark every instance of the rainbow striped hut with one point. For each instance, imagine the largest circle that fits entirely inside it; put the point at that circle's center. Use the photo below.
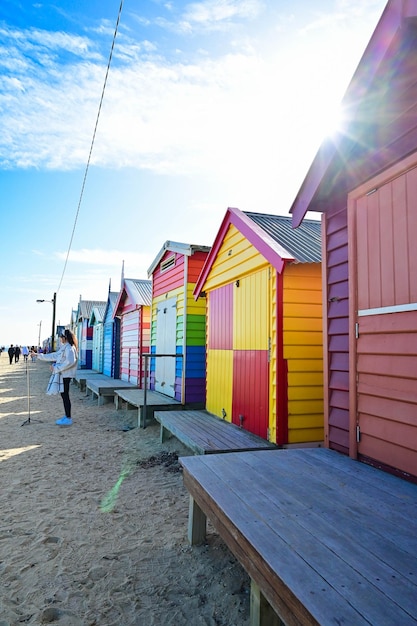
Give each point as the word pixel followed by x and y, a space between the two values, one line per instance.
pixel 133 307
pixel 262 285
pixel 178 323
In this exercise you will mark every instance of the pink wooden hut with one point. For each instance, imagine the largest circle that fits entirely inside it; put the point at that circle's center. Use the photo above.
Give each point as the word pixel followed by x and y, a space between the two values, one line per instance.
pixel 364 182
pixel 133 307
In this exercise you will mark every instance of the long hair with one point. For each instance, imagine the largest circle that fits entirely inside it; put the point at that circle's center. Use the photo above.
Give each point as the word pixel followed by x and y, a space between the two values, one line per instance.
pixel 71 338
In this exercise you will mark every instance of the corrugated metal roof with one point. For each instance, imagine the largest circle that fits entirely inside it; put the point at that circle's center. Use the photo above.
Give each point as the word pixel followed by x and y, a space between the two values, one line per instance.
pixel 97 313
pixel 85 308
pixel 139 290
pixel 302 243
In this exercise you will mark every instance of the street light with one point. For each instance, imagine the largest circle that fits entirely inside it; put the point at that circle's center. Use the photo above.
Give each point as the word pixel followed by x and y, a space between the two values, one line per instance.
pixel 53 319
pixel 39 337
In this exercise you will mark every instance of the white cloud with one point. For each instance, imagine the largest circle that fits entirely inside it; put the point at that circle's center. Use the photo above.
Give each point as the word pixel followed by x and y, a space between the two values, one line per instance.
pixel 238 112
pixel 107 258
pixel 213 13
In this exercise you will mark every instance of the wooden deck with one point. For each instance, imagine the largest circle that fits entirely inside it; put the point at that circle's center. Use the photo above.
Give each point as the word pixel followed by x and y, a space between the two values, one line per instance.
pixel 81 377
pixel 104 387
pixel 135 399
pixel 325 539
pixel 204 433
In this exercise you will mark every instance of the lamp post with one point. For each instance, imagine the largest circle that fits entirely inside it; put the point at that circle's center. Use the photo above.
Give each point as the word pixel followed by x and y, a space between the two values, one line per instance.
pixel 53 319
pixel 39 337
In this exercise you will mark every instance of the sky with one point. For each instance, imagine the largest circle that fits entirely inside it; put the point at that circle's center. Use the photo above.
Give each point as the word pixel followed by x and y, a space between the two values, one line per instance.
pixel 208 105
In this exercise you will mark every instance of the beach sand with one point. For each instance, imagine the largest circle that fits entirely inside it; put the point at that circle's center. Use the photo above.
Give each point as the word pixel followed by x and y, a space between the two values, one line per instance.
pixel 93 527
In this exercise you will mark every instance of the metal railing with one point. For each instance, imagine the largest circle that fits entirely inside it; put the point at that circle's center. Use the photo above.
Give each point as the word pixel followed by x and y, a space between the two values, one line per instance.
pixel 147 356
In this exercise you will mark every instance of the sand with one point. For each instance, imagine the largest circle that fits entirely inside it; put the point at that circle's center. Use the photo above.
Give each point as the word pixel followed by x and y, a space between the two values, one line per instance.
pixel 93 527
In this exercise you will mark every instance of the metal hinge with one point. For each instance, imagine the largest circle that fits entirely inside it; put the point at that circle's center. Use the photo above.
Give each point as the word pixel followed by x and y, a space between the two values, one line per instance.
pixel 358 433
pixel 357 330
pixel 269 349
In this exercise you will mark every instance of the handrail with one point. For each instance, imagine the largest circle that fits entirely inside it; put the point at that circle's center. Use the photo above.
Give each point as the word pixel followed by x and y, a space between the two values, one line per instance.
pixel 147 356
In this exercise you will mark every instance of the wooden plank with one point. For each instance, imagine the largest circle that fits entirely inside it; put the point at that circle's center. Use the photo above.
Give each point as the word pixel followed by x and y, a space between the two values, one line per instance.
pixel 204 433
pixel 135 397
pixel 105 388
pixel 82 375
pixel 327 539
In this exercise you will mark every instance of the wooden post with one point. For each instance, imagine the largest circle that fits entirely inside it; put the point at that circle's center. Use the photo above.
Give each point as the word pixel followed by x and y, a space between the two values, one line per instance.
pixel 196 524
pixel 261 612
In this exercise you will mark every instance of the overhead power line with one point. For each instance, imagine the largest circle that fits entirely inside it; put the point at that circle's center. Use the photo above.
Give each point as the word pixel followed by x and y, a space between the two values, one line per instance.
pixel 91 146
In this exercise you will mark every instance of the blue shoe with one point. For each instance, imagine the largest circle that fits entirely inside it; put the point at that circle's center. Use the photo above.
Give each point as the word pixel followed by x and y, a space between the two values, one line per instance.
pixel 64 421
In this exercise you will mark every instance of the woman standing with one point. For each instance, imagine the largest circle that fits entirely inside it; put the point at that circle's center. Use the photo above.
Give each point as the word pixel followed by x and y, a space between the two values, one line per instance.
pixel 65 367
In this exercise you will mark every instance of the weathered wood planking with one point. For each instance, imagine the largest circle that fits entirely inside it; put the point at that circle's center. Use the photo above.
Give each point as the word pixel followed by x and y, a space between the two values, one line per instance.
pixel 105 388
pixel 328 540
pixel 204 433
pixel 81 377
pixel 135 398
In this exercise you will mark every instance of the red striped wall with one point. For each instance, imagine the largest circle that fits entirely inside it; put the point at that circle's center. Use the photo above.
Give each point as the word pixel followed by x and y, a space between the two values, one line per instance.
pixel 172 278
pixel 195 265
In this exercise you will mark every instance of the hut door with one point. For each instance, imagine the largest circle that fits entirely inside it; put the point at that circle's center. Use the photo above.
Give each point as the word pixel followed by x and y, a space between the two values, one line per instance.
pixel 383 266
pixel 250 405
pixel 166 341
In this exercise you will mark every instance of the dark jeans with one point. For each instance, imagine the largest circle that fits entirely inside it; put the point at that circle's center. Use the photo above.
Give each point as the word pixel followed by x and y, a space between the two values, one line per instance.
pixel 65 396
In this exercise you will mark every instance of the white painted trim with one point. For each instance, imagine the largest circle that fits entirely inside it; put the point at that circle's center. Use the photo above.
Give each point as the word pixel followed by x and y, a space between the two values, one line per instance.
pixel 399 308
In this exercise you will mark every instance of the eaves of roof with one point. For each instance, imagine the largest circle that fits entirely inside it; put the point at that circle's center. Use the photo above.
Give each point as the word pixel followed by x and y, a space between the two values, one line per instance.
pixel 273 237
pixel 185 249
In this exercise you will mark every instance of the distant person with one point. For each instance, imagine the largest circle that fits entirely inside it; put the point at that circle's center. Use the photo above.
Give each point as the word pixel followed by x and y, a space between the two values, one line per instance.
pixel 63 370
pixel 16 354
pixel 11 353
pixel 25 352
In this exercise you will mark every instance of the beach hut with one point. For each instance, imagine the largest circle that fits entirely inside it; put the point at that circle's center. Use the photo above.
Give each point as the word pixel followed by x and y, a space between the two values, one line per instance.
pixel 133 307
pixel 364 182
pixel 96 322
pixel 262 282
pixel 84 332
pixel 111 338
pixel 178 323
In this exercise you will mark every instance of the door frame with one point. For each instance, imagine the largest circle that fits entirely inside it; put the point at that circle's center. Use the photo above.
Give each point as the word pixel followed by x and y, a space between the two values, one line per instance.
pixel 161 362
pixel 368 187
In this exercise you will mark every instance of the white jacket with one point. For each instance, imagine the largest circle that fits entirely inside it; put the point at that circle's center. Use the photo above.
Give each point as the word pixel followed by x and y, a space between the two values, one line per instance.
pixel 65 360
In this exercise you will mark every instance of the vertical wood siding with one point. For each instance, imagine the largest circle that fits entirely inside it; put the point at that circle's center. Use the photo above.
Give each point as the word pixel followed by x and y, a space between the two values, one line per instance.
pixel 383 269
pixel 251 312
pixel 220 383
pixel 108 348
pixel 250 391
pixel 338 330
pixel 86 345
pixel 97 355
pixel 220 319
